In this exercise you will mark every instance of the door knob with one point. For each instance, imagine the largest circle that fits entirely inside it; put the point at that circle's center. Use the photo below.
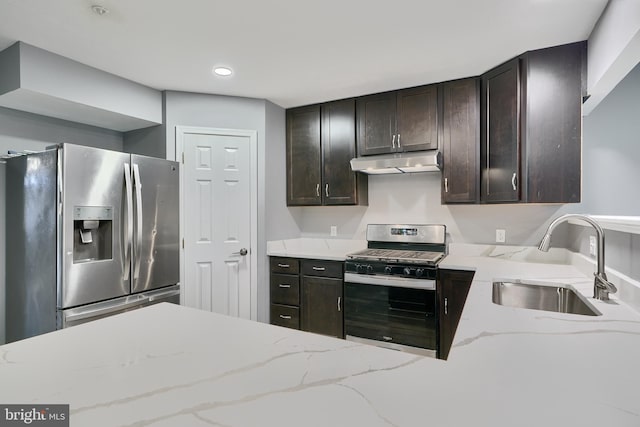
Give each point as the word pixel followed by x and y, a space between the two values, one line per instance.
pixel 242 252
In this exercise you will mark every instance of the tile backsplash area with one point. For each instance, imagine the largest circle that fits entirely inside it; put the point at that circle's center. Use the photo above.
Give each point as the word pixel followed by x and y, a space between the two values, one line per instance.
pixel 415 199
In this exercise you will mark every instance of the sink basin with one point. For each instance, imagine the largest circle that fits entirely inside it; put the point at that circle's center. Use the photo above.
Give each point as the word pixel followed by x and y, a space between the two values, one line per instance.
pixel 538 296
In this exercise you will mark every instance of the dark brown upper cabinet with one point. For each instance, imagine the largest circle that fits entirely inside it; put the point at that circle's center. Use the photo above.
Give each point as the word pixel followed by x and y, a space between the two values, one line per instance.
pixel 304 161
pixel 531 127
pixel 461 141
pixel 320 145
pixel 500 130
pixel 553 82
pixel 404 120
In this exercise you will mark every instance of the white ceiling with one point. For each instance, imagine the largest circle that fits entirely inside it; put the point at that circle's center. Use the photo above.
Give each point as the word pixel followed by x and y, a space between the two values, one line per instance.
pixel 295 52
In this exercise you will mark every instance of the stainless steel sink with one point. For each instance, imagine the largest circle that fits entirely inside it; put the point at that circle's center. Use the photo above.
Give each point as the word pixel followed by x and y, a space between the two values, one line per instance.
pixel 538 296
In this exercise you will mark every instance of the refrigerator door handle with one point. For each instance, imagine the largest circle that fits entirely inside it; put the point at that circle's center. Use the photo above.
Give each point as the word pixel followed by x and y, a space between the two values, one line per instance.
pixel 138 186
pixel 129 238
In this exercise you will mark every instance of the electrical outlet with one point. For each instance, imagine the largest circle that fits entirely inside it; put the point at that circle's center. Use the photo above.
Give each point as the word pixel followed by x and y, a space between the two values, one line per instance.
pixel 592 245
pixel 501 236
pixel 334 230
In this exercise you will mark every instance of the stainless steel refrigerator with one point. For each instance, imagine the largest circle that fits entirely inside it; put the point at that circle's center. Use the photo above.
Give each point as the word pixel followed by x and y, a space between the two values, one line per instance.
pixel 90 233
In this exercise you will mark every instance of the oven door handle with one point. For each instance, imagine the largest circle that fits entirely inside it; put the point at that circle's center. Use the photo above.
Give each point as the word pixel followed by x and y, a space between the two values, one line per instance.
pixel 401 282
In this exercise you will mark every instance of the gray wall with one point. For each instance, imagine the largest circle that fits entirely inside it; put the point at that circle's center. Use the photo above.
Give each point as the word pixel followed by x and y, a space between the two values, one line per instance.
pixel 25 131
pixel 611 157
pixel 611 173
pixel 149 141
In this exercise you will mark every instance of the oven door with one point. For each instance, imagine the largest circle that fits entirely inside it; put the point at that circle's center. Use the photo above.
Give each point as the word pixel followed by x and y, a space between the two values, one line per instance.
pixel 397 317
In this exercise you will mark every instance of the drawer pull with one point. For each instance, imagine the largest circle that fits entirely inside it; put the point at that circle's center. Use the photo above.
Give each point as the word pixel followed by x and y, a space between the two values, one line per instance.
pixel 386 338
pixel 282 316
pixel 284 265
pixel 318 268
pixel 284 286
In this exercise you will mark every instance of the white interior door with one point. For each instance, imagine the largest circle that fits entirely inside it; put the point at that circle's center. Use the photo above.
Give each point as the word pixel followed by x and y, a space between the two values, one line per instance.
pixel 218 219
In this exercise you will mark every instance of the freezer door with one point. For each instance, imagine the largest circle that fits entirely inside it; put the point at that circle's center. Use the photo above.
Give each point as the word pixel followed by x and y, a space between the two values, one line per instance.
pixel 94 245
pixel 88 313
pixel 156 236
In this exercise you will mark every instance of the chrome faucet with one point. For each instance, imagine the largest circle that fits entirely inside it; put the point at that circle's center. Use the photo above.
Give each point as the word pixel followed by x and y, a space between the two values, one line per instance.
pixel 601 285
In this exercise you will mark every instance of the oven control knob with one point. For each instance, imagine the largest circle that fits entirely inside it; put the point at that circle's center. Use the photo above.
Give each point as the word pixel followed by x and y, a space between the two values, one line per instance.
pixel 359 268
pixel 419 272
pixel 369 269
pixel 407 271
pixel 388 269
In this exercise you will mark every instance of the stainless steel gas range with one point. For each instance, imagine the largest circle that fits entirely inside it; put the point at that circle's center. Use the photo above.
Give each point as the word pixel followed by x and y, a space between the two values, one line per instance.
pixel 390 287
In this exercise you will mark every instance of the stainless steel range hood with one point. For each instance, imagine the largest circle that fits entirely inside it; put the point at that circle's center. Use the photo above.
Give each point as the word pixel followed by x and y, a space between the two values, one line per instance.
pixel 417 161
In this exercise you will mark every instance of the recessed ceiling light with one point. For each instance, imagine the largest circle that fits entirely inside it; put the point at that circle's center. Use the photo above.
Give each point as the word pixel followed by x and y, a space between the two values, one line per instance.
pixel 223 71
pixel 100 10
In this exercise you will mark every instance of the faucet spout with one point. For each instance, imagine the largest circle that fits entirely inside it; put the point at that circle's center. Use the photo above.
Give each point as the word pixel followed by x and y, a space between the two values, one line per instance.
pixel 601 286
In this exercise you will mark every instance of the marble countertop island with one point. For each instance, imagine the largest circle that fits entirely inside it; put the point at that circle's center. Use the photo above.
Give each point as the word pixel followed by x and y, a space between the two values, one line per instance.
pixel 167 365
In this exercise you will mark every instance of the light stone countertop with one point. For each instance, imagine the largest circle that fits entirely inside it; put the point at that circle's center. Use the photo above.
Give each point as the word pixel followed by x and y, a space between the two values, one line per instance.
pixel 329 249
pixel 167 365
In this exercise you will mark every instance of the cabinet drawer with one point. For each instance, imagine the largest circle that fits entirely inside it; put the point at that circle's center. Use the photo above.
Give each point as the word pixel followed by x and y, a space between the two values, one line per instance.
pixel 285 315
pixel 285 289
pixel 322 268
pixel 285 265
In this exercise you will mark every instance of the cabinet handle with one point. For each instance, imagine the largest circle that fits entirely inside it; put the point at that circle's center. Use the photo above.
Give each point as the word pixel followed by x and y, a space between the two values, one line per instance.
pixel 398 140
pixel 326 190
pixel 446 306
pixel 339 299
pixel 282 316
pixel 393 141
pixel 513 181
pixel 446 185
pixel 317 190
pixel 284 286
pixel 318 268
pixel 386 338
pixel 284 265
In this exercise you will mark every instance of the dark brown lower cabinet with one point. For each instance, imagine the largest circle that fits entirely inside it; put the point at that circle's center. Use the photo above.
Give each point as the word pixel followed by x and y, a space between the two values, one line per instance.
pixel 452 288
pixel 321 304
pixel 307 294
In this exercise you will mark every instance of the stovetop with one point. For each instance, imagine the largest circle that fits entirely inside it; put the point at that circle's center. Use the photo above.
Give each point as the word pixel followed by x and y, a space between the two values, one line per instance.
pixel 397 256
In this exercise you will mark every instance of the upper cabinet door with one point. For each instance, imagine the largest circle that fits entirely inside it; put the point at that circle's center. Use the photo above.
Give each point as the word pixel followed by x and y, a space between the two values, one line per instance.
pixel 304 179
pixel 338 148
pixel 552 123
pixel 461 141
pixel 500 133
pixel 417 119
pixel 376 116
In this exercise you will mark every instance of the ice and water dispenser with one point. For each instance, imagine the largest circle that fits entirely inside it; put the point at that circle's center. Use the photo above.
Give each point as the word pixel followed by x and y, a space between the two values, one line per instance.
pixel 92 233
